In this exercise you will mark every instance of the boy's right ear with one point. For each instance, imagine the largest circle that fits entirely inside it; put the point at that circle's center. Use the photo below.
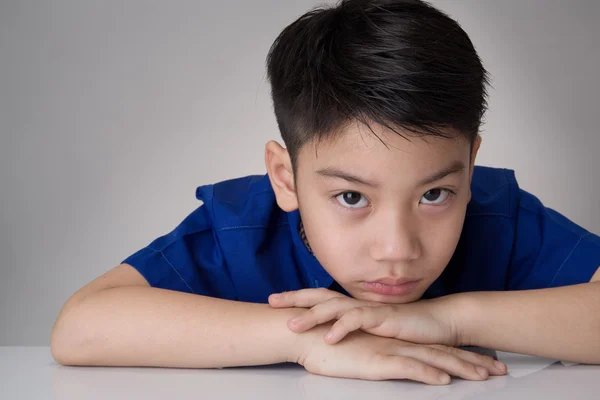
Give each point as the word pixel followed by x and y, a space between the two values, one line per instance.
pixel 281 175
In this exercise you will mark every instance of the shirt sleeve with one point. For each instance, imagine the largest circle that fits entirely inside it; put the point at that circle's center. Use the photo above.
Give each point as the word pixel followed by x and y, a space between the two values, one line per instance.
pixel 188 259
pixel 549 250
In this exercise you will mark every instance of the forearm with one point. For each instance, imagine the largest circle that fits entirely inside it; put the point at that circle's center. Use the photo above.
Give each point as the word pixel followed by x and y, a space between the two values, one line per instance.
pixel 561 323
pixel 144 326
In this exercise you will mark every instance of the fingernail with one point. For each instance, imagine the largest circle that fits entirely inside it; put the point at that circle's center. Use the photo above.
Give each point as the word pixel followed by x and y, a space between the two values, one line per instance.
pixel 482 372
pixel 444 378
pixel 500 366
pixel 329 336
pixel 295 321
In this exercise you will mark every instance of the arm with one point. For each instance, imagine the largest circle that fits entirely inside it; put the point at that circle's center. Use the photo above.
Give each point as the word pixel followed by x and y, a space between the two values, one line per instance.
pixel 119 320
pixel 561 323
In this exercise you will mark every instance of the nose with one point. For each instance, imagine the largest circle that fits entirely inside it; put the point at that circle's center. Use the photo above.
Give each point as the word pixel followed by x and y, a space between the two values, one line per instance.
pixel 395 239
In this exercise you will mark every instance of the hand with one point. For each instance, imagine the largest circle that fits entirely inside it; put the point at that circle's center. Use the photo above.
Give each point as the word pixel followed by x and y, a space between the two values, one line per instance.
pixel 320 300
pixel 365 356
pixel 328 305
pixel 425 321
pixel 309 298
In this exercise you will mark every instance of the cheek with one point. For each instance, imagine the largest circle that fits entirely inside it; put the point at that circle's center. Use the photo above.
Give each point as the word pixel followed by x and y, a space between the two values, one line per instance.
pixel 331 241
pixel 335 246
pixel 443 236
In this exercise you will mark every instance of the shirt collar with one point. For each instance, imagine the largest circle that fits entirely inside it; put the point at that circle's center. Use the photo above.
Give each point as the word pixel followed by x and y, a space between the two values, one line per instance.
pixel 316 274
pixel 303 236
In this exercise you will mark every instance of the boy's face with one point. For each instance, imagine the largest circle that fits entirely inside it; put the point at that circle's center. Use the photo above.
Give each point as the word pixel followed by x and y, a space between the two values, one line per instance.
pixel 369 216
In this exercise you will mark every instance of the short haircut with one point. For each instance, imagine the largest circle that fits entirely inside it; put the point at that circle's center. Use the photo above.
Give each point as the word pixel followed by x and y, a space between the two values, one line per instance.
pixel 400 63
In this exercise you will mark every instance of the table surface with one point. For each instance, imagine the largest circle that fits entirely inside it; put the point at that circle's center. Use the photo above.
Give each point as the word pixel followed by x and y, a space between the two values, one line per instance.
pixel 31 373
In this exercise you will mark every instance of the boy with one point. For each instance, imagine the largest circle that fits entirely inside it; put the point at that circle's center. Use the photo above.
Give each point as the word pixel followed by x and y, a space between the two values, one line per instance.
pixel 374 214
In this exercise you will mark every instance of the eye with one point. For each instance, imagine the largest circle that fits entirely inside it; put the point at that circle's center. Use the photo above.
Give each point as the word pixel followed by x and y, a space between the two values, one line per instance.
pixel 436 196
pixel 352 200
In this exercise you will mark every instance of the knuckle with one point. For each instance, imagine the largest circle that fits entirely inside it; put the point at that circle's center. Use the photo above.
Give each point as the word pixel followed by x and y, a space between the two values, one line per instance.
pixel 430 372
pixel 318 316
pixel 448 349
pixel 465 365
pixel 358 311
pixel 336 301
pixel 377 372
pixel 347 324
pixel 416 370
pixel 310 313
pixel 477 357
pixel 314 313
pixel 409 364
pixel 283 297
pixel 436 346
pixel 451 350
pixel 344 321
pixel 433 353
pixel 443 347
pixel 351 315
pixel 484 359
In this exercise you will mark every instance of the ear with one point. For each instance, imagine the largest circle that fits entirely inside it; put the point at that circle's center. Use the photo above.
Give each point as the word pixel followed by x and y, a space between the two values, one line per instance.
pixel 281 175
pixel 476 145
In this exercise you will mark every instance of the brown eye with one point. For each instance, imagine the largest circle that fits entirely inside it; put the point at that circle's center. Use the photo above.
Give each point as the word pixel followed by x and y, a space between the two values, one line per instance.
pixel 352 200
pixel 436 196
pixel 433 194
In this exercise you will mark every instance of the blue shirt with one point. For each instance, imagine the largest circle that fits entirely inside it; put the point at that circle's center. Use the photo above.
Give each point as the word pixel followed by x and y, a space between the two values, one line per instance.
pixel 239 245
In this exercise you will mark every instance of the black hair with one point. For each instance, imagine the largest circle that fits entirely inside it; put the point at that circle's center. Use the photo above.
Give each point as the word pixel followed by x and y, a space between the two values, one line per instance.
pixel 399 63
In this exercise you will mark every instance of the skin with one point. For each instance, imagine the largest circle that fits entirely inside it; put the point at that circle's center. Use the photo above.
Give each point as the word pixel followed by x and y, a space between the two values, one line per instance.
pixel 396 227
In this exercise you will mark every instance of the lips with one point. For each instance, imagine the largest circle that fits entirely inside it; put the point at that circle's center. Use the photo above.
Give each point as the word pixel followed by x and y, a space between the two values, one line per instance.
pixel 395 281
pixel 392 286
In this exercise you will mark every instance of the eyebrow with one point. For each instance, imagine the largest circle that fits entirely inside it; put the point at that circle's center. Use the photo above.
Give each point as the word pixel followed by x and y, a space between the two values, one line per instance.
pixel 455 167
pixel 333 172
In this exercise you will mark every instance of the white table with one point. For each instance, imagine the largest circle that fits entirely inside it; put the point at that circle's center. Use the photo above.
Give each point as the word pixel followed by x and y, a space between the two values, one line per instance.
pixel 31 373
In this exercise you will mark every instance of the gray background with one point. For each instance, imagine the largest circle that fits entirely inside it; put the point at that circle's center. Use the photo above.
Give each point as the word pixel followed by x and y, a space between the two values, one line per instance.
pixel 112 112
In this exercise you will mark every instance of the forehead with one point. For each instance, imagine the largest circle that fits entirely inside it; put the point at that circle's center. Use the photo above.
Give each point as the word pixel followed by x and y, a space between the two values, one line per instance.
pixel 358 148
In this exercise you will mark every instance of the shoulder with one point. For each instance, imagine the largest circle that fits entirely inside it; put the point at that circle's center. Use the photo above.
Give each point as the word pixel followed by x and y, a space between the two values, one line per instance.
pixel 251 241
pixel 241 202
pixel 230 247
pixel 494 192
pixel 235 203
pixel 523 243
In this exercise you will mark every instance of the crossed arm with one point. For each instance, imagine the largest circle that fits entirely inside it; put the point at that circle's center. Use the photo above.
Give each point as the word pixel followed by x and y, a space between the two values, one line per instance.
pixel 561 323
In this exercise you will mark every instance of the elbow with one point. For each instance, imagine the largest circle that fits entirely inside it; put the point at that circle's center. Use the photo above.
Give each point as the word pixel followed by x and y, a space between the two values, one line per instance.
pixel 66 339
pixel 59 350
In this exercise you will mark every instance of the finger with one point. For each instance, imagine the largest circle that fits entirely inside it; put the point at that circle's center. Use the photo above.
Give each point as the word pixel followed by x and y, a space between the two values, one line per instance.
pixel 386 367
pixel 366 317
pixel 323 312
pixel 302 298
pixel 494 367
pixel 446 362
pixel 294 298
